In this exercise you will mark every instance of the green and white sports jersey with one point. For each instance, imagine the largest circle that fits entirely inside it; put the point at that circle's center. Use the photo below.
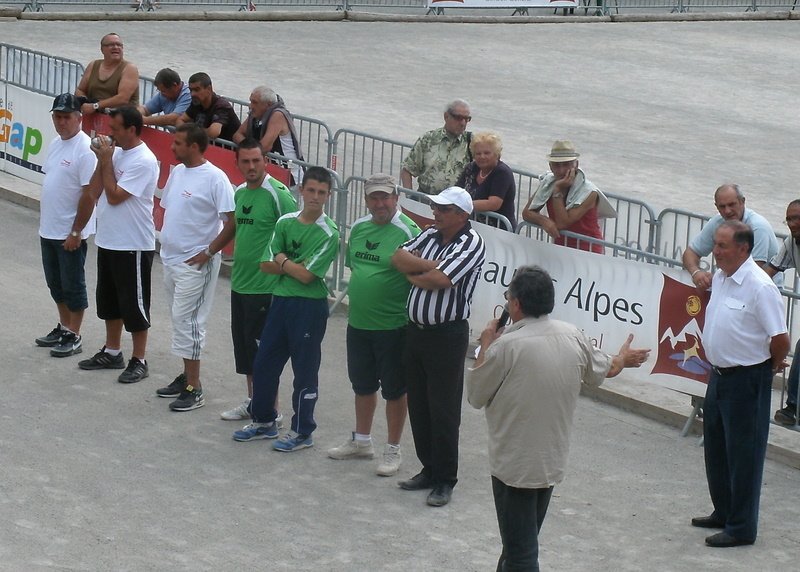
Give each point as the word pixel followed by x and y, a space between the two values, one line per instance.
pixel 312 245
pixel 257 211
pixel 378 293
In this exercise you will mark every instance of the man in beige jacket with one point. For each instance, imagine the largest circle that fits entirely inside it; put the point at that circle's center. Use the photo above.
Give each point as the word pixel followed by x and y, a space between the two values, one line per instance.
pixel 529 415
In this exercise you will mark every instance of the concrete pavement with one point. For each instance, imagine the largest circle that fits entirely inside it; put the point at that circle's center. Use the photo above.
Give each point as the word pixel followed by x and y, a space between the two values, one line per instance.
pixel 97 475
pixel 100 476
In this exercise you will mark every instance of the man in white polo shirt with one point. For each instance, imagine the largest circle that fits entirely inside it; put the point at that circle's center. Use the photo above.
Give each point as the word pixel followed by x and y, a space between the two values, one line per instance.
pixel 67 219
pixel 123 184
pixel 197 198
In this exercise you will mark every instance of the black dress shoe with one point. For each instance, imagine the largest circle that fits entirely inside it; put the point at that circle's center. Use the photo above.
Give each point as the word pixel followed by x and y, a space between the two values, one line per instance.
pixel 725 540
pixel 416 483
pixel 440 495
pixel 707 522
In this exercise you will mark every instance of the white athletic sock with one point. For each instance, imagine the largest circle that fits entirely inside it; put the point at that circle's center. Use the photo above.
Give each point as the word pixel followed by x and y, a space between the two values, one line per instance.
pixel 113 352
pixel 359 438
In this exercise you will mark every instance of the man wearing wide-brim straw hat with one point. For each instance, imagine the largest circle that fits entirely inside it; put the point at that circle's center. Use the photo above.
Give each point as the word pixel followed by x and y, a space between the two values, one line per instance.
pixel 573 202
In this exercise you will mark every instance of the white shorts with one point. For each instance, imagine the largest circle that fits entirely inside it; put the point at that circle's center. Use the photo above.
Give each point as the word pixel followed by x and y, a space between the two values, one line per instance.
pixel 190 294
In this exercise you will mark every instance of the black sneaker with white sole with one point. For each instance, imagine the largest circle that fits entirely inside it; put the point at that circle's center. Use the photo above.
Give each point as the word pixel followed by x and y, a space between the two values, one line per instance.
pixel 69 344
pixel 103 360
pixel 190 398
pixel 136 371
pixel 52 338
pixel 174 389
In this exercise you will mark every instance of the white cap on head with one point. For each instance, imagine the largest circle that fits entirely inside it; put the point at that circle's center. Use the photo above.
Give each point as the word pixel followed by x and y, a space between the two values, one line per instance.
pixel 454 196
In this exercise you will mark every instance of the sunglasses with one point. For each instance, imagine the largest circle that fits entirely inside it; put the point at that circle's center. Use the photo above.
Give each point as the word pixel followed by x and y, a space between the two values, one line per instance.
pixel 457 117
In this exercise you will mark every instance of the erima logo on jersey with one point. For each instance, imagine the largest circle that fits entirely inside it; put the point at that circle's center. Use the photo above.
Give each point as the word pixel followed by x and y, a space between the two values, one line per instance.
pixel 242 220
pixel 120 172
pixel 367 255
pixel 246 210
pixel 65 163
pixel 186 194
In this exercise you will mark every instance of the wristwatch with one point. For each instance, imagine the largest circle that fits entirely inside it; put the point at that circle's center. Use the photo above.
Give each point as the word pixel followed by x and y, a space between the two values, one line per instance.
pixel 96 106
pixel 74 233
pixel 558 196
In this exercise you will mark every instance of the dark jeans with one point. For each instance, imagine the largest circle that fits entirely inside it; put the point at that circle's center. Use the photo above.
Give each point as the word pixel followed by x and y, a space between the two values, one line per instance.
pixel 434 360
pixel 736 416
pixel 520 514
pixel 64 273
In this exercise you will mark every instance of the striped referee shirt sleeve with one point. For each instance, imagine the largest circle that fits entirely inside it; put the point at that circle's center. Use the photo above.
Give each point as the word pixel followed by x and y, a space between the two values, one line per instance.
pixel 467 252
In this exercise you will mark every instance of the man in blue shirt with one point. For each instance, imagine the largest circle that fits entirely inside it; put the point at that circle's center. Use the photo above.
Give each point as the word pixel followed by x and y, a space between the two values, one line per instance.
pixel 171 101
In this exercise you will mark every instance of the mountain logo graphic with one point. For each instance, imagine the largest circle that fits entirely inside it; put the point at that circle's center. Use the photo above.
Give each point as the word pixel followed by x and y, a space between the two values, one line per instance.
pixel 681 310
pixel 246 210
pixel 372 246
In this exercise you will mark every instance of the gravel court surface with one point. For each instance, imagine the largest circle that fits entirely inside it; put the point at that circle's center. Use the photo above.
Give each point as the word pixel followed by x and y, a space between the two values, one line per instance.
pixel 98 475
pixel 660 111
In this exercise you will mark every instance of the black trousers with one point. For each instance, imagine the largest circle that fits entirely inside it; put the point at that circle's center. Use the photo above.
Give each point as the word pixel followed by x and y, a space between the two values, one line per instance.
pixel 520 514
pixel 434 365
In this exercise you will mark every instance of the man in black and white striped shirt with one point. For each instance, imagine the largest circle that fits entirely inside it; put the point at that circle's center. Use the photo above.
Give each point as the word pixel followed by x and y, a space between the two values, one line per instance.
pixel 443 265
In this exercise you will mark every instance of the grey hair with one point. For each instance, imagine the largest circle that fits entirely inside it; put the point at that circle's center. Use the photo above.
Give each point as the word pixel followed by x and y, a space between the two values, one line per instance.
pixel 455 103
pixel 265 94
pixel 733 186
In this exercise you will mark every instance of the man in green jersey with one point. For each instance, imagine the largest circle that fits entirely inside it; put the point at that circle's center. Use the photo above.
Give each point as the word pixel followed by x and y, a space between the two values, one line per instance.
pixel 260 202
pixel 377 321
pixel 302 249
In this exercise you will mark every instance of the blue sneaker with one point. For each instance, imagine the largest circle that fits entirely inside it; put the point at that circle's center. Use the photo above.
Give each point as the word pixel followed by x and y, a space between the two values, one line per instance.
pixel 293 442
pixel 255 431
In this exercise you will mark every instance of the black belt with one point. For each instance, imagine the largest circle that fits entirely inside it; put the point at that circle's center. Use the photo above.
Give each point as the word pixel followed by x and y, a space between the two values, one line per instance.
pixel 738 368
pixel 437 326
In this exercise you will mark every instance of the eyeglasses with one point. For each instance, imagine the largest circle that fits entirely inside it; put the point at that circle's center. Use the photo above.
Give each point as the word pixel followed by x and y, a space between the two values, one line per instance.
pixel 443 208
pixel 113 45
pixel 791 219
pixel 457 117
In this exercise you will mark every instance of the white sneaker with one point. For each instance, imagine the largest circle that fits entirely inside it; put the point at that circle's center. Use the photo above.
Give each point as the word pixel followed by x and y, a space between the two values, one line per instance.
pixel 352 449
pixel 391 461
pixel 238 412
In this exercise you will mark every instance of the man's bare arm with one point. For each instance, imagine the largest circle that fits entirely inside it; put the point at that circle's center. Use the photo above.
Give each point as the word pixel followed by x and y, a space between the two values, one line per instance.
pixel 691 263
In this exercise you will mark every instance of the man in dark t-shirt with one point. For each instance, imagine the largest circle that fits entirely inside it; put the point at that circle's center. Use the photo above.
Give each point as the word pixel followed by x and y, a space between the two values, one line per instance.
pixel 213 112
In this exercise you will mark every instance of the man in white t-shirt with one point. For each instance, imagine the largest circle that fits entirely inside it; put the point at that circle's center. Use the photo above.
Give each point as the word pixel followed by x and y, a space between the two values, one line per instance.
pixel 66 220
pixel 197 199
pixel 123 185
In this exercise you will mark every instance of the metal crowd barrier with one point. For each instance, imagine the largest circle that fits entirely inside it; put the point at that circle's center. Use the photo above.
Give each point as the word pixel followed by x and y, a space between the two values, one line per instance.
pixel 37 71
pixel 675 230
pixel 359 154
pixel 536 232
pixel 354 155
pixel 593 7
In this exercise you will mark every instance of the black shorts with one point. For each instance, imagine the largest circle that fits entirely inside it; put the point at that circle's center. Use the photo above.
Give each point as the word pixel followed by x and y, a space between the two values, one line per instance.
pixel 374 361
pixel 248 315
pixel 123 287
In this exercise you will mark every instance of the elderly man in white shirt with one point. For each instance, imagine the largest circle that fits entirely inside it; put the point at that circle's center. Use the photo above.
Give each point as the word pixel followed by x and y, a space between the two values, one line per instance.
pixel 746 342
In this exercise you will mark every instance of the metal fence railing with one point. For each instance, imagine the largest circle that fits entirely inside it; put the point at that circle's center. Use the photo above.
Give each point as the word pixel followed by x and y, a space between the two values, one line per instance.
pixel 359 154
pixel 675 230
pixel 37 71
pixel 352 155
pixel 587 7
